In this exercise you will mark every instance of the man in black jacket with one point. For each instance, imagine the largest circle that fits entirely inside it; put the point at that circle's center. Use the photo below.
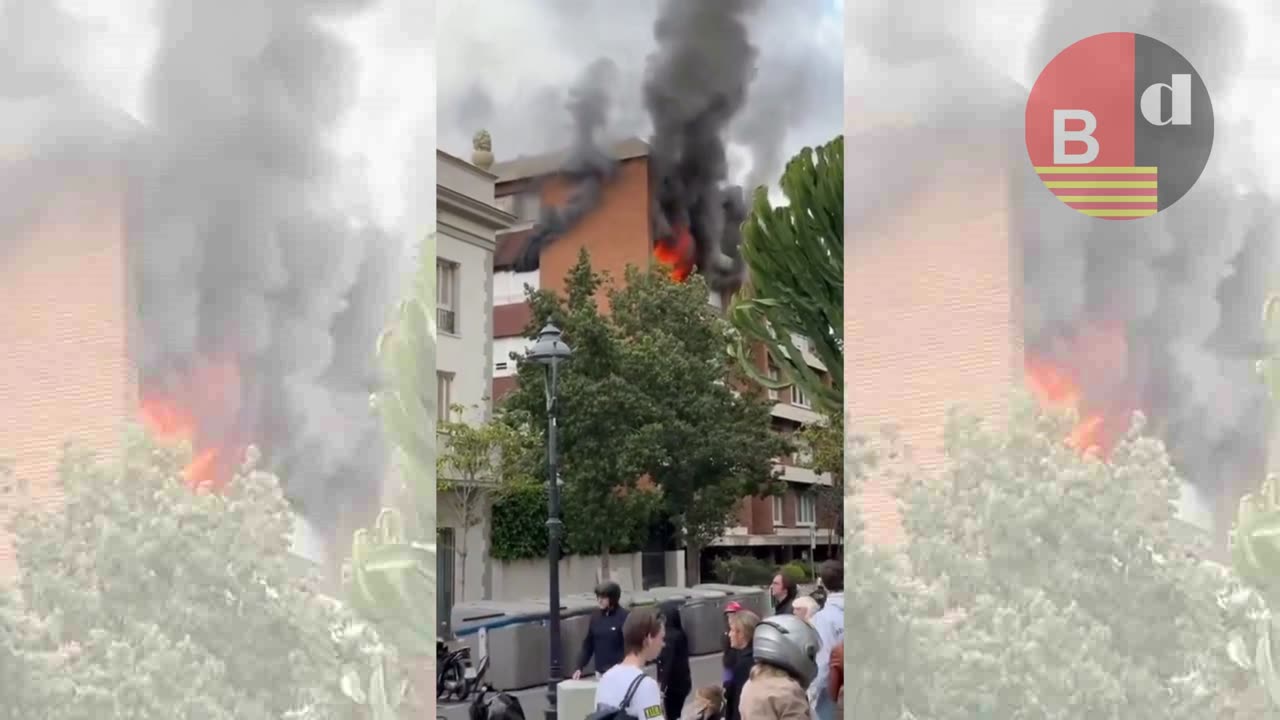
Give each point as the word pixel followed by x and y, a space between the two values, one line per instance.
pixel 674 675
pixel 783 590
pixel 604 636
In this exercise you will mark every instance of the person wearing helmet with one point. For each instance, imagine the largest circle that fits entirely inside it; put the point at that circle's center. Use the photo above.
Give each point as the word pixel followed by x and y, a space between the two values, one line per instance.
pixel 729 656
pixel 604 635
pixel 785 649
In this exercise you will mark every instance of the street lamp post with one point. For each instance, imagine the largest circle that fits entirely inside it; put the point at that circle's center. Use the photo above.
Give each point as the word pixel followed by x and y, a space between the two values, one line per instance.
pixel 550 350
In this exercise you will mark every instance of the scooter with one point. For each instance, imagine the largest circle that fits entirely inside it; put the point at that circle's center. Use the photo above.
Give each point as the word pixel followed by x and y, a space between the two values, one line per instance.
pixel 456 678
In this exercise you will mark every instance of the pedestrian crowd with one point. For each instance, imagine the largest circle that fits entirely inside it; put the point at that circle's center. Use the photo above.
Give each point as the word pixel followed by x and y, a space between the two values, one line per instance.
pixel 787 666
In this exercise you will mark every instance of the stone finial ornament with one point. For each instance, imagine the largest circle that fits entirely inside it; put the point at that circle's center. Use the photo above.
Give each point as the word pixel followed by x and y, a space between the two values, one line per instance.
pixel 482 149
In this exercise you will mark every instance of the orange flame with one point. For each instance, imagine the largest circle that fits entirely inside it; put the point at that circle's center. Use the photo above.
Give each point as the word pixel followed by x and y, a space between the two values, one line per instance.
pixel 1098 349
pixel 168 413
pixel 676 252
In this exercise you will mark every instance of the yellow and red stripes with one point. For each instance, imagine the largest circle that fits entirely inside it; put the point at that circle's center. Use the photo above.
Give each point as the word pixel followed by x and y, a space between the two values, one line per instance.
pixel 1115 193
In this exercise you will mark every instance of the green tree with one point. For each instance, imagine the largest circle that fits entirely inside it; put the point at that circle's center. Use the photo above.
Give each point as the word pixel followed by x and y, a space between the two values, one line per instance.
pixel 795 259
pixel 1069 591
pixel 651 425
pixel 475 461
pixel 823 443
pixel 142 599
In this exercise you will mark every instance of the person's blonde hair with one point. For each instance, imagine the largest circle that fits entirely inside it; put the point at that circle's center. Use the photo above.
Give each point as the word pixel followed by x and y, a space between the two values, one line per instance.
pixel 809 604
pixel 746 622
pixel 708 700
pixel 765 670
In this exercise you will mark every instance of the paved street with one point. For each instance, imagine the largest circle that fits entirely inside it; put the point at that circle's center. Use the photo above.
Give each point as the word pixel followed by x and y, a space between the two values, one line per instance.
pixel 706 671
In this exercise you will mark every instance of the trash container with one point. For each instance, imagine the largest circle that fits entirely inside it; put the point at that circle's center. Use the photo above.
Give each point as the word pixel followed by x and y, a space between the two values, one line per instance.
pixel 703 618
pixel 665 594
pixel 638 598
pixel 516 640
pixel 751 598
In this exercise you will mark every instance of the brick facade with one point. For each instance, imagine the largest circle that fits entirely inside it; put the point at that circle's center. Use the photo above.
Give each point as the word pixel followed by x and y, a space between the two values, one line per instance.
pixel 617 234
pixel 932 299
pixel 64 366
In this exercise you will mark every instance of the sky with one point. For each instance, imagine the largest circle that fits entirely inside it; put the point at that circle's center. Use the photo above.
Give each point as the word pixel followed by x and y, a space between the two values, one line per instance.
pixel 389 134
pixel 505 66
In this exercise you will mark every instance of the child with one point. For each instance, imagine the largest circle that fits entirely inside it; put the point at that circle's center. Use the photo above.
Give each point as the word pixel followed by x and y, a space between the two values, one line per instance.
pixel 708 704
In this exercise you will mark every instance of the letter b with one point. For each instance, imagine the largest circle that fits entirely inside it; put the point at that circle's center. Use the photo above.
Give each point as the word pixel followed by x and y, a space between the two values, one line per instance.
pixel 1062 136
pixel 1152 102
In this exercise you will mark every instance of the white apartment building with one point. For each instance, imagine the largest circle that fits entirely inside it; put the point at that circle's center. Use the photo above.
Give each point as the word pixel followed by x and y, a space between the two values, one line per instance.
pixel 467 220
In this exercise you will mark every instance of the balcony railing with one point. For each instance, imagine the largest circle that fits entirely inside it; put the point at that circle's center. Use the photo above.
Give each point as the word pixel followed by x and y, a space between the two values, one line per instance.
pixel 447 321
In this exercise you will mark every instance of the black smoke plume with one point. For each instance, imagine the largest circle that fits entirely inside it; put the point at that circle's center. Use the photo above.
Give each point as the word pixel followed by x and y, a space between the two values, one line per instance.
pixel 1185 287
pixel 240 249
pixel 588 168
pixel 696 83
pixel 243 250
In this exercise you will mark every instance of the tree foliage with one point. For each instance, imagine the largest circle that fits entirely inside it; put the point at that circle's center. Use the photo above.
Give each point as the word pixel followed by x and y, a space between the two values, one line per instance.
pixel 1038 582
pixel 650 423
pixel 142 599
pixel 795 258
pixel 824 443
pixel 475 461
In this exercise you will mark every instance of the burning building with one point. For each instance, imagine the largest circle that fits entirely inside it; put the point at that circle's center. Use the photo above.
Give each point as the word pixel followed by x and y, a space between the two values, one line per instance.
pixel 981 280
pixel 204 279
pixel 666 201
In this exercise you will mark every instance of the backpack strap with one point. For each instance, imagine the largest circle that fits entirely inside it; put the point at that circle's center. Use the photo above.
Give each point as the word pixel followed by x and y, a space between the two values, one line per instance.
pixel 631 691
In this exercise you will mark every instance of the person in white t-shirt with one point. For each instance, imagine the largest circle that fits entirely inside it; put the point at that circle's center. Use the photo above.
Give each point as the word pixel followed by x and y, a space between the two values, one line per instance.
pixel 643 634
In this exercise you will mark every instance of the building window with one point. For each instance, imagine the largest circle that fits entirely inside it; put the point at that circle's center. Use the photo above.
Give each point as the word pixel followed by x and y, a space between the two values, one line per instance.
pixel 806 509
pixel 799 398
pixel 444 395
pixel 501 366
pixel 773 375
pixel 777 510
pixel 527 206
pixel 447 297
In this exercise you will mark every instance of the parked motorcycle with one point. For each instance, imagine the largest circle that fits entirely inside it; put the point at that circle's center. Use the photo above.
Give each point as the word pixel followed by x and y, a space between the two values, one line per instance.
pixel 456 678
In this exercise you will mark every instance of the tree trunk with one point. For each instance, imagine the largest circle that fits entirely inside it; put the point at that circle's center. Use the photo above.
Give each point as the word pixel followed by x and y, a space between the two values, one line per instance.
pixel 464 508
pixel 692 564
pixel 604 563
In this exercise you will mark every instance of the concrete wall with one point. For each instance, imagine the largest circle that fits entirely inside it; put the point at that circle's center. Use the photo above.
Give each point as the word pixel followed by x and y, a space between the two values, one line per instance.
pixel 476 569
pixel 524 579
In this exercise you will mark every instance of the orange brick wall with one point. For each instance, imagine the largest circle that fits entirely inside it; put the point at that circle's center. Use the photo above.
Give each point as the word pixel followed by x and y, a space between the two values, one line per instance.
pixel 616 234
pixel 931 294
pixel 64 368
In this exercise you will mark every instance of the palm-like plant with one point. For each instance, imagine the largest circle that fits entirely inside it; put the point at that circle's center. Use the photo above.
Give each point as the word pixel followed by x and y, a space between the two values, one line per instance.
pixel 795 257
pixel 1255 542
pixel 391 578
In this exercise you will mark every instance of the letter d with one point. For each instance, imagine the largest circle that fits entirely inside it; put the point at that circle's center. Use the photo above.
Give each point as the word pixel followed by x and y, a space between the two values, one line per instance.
pixel 1062 136
pixel 1152 100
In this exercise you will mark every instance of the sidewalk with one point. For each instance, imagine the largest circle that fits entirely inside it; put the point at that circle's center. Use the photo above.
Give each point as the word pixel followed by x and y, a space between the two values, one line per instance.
pixel 706 669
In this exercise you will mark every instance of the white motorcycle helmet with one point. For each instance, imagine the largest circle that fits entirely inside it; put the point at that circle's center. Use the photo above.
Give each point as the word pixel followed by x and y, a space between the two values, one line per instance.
pixel 789 643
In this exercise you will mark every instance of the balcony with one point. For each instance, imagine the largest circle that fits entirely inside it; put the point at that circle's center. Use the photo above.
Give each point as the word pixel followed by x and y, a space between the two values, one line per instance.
pixel 795 413
pixel 446 321
pixel 803 475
